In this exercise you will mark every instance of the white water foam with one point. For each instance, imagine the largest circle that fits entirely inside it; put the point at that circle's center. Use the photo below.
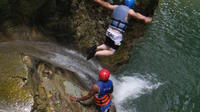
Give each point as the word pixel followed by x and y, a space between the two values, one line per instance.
pixel 130 87
pixel 126 87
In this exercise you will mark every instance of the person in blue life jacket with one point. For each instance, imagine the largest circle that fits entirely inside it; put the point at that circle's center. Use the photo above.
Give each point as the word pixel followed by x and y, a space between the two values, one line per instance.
pixel 120 16
pixel 101 91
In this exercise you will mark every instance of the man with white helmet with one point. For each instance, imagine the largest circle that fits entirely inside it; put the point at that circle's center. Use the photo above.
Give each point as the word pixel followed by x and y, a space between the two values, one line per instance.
pixel 101 91
pixel 121 14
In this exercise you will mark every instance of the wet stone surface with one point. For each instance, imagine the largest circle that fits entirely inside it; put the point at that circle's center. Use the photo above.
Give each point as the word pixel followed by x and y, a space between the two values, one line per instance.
pixel 15 92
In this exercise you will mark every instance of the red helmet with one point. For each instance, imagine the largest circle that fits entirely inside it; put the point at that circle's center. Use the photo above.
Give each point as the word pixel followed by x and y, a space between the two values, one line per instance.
pixel 104 74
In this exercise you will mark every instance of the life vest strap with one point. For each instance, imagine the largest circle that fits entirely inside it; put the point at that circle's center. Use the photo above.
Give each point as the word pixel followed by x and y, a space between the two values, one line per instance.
pixel 118 23
pixel 103 101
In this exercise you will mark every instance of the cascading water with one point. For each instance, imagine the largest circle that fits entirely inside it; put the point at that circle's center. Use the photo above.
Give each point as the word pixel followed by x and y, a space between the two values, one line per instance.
pixel 126 88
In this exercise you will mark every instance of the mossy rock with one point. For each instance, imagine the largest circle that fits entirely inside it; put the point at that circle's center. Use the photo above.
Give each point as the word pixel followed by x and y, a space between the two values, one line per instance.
pixel 15 92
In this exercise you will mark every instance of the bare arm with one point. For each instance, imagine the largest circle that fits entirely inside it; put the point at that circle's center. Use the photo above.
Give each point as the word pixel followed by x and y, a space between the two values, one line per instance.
pixel 91 93
pixel 137 15
pixel 106 4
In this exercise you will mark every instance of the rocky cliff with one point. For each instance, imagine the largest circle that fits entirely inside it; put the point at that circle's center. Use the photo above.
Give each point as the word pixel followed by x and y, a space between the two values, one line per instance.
pixel 32 84
pixel 15 90
pixel 29 84
pixel 76 23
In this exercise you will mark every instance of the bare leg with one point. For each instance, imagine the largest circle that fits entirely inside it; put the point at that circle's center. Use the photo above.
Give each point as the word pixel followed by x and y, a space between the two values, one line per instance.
pixel 102 47
pixel 102 50
pixel 107 52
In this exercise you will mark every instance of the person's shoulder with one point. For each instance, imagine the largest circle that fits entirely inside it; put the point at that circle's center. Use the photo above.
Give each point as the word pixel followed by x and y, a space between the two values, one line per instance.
pixel 130 9
pixel 114 6
pixel 110 81
pixel 95 87
pixel 98 83
pixel 131 12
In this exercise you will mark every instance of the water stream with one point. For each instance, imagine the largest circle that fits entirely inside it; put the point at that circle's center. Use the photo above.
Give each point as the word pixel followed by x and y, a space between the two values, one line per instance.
pixel 125 87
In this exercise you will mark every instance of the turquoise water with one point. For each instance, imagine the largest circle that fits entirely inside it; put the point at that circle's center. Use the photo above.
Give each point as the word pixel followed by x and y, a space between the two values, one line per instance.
pixel 169 53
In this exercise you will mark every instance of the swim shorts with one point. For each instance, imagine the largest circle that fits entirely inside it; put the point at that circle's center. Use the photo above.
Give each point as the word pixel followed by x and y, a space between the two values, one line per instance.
pixel 113 39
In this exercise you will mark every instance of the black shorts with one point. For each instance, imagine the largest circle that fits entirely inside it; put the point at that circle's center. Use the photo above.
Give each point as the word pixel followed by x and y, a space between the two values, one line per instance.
pixel 110 43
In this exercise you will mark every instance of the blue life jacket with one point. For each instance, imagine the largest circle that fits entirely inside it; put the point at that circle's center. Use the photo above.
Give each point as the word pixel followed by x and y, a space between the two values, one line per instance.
pixel 118 20
pixel 104 96
pixel 104 87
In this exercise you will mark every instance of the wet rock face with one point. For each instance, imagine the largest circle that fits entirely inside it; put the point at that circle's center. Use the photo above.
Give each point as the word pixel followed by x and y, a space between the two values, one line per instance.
pixel 90 21
pixel 15 89
pixel 53 87
pixel 28 84
pixel 77 23
pixel 84 23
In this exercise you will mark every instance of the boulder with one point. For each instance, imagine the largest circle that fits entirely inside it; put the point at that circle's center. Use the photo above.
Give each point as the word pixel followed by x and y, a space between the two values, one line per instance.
pixel 15 89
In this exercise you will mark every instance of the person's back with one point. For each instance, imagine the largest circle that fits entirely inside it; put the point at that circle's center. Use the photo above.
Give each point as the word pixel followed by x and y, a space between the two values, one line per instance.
pixel 119 18
pixel 117 27
pixel 103 97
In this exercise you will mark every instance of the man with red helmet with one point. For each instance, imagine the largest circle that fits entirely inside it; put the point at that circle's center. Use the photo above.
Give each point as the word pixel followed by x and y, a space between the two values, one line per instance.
pixel 101 91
